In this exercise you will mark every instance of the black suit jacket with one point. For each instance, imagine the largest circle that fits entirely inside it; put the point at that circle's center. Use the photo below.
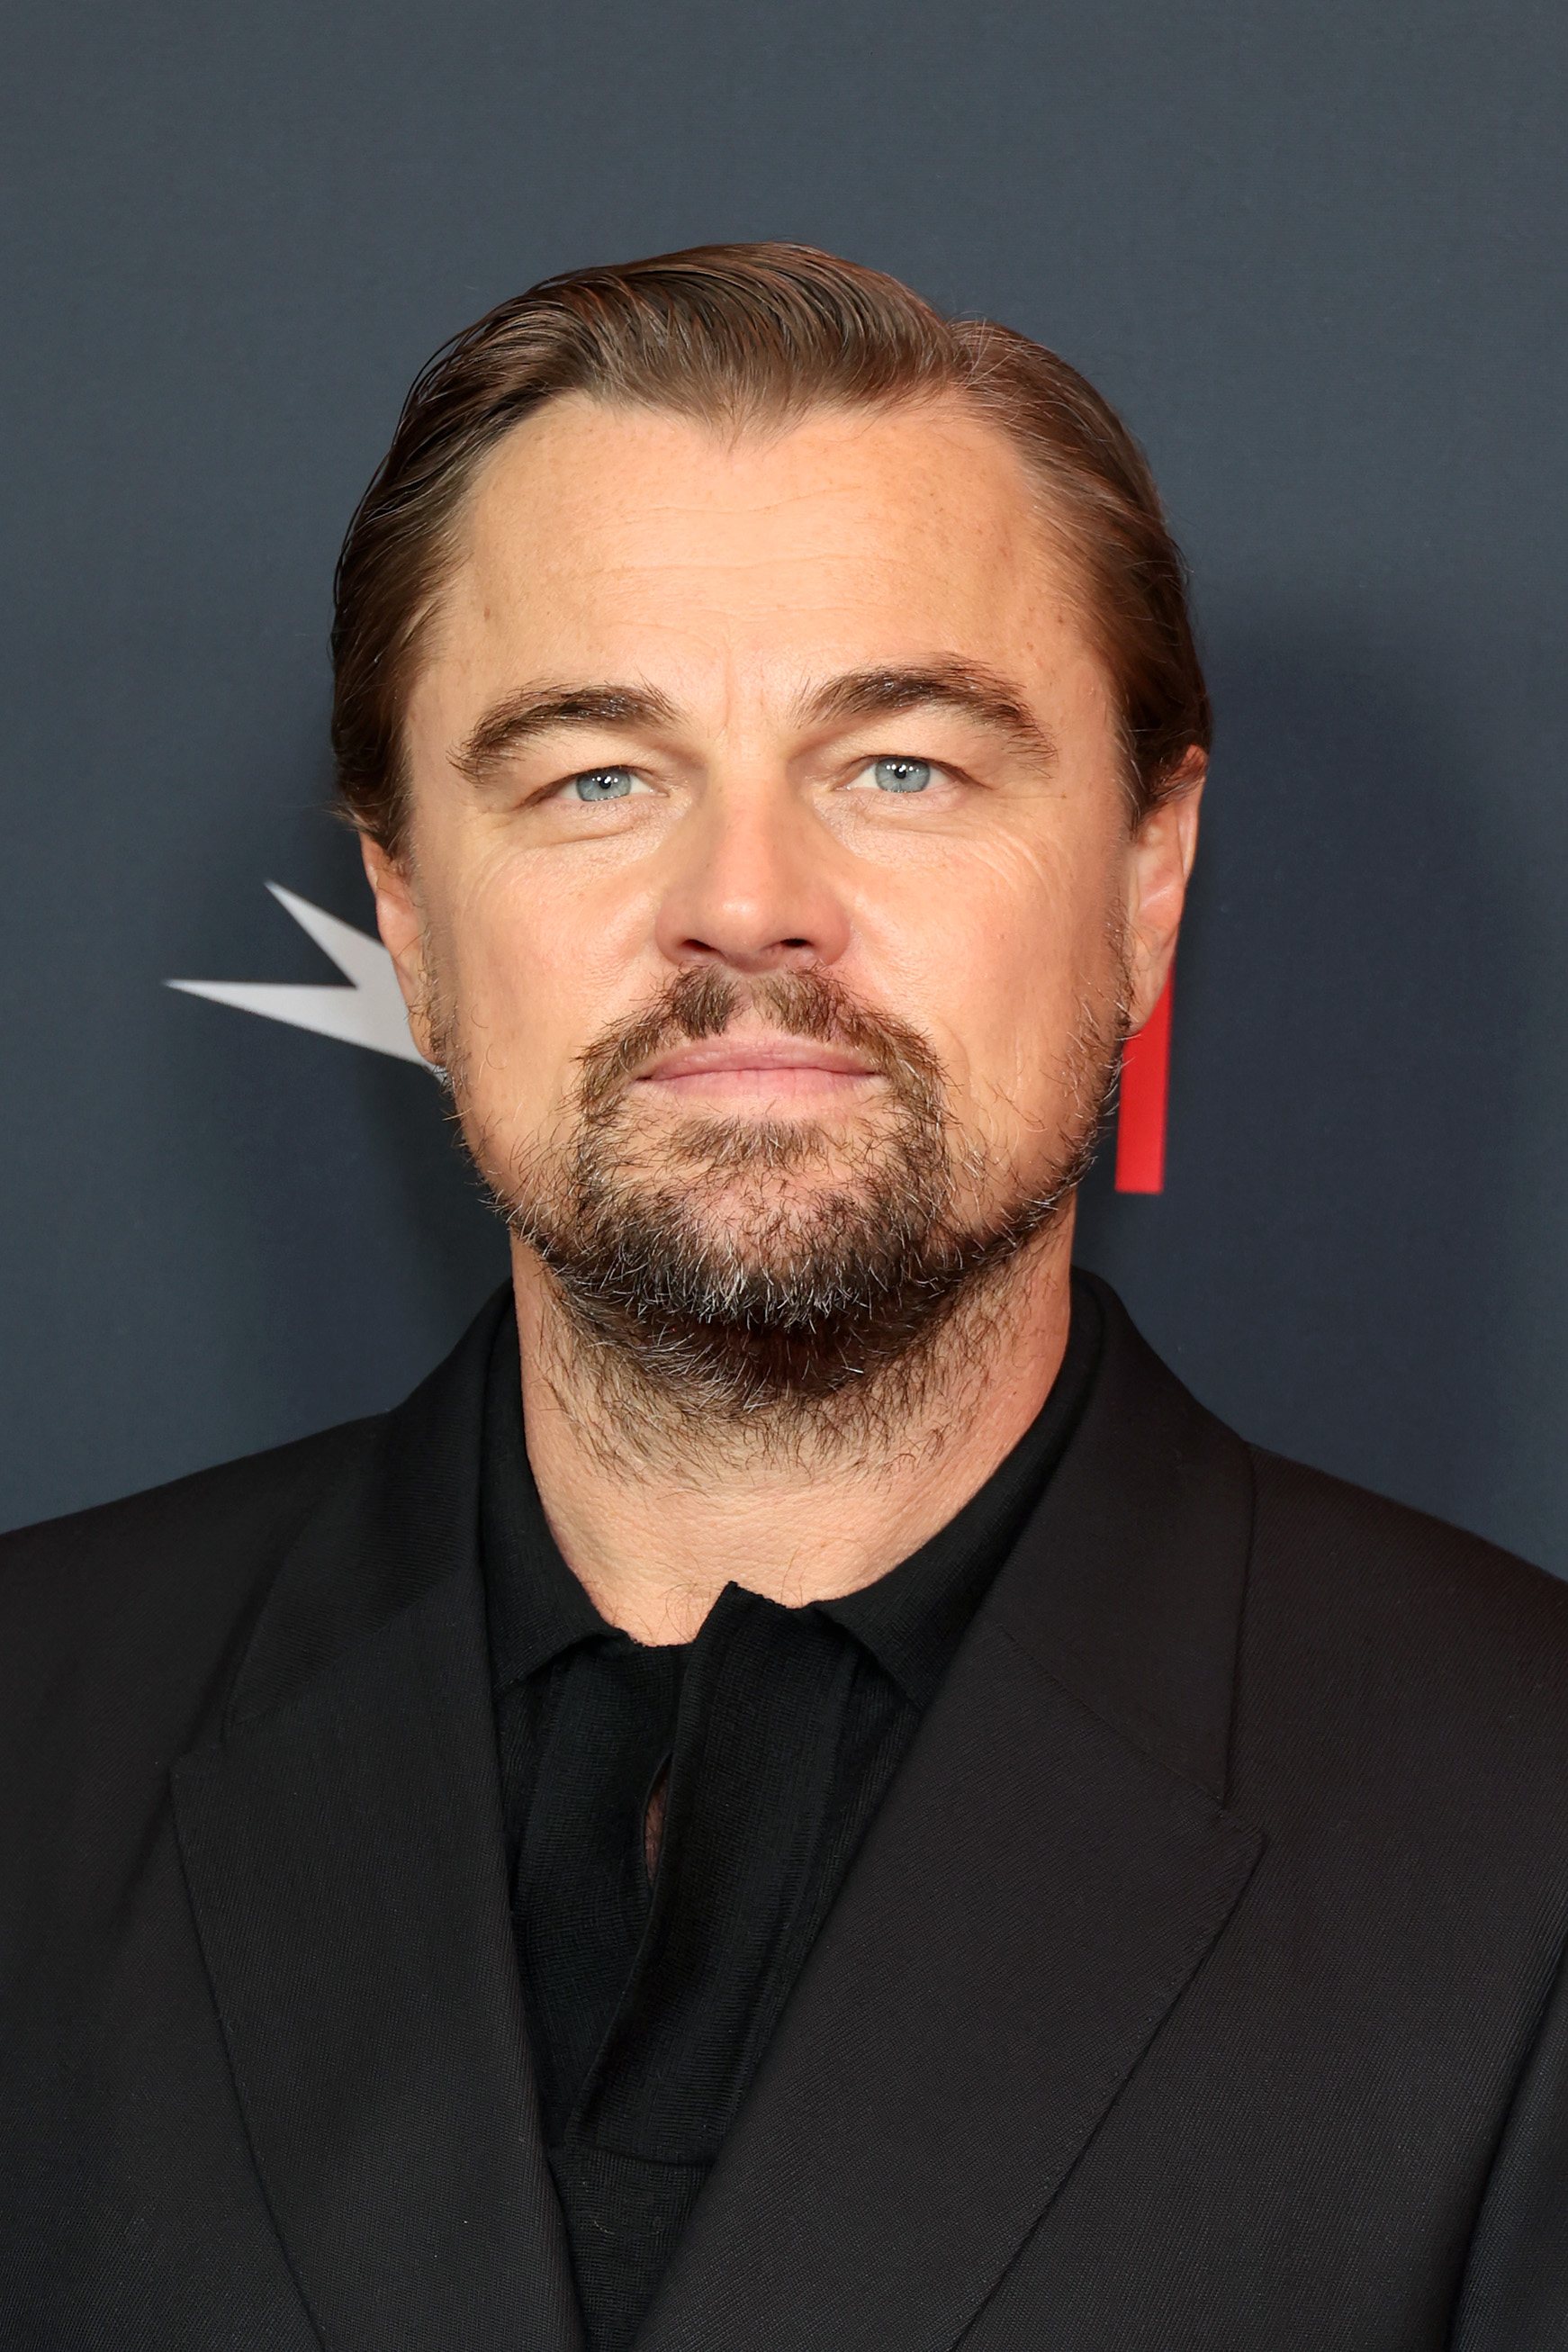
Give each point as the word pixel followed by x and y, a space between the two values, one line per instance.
pixel 1198 1983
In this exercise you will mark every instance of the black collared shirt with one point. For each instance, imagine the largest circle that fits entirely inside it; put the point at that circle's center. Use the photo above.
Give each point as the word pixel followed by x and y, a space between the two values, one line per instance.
pixel 650 2001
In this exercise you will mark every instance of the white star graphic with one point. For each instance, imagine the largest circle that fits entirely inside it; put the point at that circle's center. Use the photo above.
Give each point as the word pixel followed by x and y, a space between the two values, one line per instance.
pixel 369 1011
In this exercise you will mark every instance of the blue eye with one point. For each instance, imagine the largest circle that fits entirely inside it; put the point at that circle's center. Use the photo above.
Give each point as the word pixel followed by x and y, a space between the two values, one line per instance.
pixel 604 784
pixel 902 775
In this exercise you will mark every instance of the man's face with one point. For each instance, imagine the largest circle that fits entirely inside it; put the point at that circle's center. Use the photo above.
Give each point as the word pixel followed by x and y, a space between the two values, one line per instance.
pixel 797 739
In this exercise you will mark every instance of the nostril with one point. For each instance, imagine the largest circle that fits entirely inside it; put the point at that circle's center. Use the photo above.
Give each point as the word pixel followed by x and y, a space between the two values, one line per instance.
pixel 776 951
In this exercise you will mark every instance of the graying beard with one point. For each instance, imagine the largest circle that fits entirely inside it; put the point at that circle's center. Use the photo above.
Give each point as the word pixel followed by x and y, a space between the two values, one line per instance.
pixel 825 1322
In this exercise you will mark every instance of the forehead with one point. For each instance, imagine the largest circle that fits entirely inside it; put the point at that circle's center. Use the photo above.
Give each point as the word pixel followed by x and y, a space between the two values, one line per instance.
pixel 620 537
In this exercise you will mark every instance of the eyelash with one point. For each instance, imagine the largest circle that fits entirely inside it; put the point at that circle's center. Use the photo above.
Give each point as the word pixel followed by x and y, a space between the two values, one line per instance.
pixel 938 770
pixel 588 775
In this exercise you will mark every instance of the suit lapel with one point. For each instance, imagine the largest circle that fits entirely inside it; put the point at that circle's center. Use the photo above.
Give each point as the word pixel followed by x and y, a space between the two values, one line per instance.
pixel 1043 1881
pixel 343 1852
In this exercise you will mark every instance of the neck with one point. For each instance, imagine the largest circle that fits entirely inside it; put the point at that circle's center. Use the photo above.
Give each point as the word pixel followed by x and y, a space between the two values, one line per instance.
pixel 655 1531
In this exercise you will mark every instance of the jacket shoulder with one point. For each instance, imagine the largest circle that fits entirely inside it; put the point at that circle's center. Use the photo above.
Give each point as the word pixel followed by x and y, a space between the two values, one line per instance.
pixel 1391 1646
pixel 1393 1565
pixel 156 1594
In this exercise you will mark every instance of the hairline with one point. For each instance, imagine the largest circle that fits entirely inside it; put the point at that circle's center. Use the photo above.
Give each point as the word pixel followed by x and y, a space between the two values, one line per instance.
pixel 771 421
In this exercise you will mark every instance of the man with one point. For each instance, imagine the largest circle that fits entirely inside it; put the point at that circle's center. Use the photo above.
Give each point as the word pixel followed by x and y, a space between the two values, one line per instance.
pixel 801 1791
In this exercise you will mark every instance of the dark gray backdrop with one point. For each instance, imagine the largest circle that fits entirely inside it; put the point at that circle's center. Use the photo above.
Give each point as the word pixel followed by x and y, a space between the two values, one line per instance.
pixel 1315 252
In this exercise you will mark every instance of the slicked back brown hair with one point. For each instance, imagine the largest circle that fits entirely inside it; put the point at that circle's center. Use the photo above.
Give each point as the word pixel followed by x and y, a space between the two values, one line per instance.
pixel 733 336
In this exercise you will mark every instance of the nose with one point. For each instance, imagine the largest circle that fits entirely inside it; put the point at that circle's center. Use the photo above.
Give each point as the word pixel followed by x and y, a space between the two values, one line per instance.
pixel 752 886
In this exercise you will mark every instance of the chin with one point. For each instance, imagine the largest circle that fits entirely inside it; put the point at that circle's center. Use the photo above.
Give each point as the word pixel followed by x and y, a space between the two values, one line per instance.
pixel 811 1152
pixel 755 1215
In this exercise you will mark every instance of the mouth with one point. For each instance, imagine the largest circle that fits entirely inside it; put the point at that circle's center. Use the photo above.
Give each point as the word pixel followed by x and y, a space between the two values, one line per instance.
pixel 744 1072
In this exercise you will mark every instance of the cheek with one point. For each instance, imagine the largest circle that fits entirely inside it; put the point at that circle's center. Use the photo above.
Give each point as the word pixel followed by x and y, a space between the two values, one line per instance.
pixel 533 974
pixel 493 976
pixel 1003 952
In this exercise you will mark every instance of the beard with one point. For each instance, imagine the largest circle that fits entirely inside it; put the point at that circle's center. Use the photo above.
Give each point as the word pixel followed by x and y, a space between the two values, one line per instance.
pixel 777 1276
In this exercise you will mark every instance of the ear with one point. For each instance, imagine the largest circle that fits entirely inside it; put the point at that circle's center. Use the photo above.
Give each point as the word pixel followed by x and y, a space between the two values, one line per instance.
pixel 1161 853
pixel 401 923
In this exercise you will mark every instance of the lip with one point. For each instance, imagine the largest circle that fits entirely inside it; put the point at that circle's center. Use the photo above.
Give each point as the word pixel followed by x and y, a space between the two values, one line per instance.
pixel 758 1059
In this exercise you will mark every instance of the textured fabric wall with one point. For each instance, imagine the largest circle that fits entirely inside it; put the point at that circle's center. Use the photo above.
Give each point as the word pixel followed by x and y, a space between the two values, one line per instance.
pixel 1314 252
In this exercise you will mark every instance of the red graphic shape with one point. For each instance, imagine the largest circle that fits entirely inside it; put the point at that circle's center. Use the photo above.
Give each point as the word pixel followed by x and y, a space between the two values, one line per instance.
pixel 1141 1120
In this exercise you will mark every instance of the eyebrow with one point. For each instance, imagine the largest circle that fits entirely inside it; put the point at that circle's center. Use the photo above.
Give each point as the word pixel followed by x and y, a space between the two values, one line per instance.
pixel 977 693
pixel 537 709
pixel 980 694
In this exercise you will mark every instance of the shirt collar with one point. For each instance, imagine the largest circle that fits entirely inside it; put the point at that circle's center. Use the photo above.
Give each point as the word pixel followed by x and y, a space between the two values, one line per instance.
pixel 913 1618
pixel 536 1606
pixel 910 1620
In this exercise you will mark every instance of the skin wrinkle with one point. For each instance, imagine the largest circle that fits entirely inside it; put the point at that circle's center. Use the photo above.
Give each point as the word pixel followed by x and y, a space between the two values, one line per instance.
pixel 770 1334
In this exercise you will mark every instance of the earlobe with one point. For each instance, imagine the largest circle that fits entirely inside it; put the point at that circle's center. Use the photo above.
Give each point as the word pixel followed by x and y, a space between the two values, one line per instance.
pixel 1163 848
pixel 401 924
pixel 1186 803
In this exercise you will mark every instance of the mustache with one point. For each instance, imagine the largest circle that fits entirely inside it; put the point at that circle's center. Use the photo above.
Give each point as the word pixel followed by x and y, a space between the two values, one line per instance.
pixel 703 1002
